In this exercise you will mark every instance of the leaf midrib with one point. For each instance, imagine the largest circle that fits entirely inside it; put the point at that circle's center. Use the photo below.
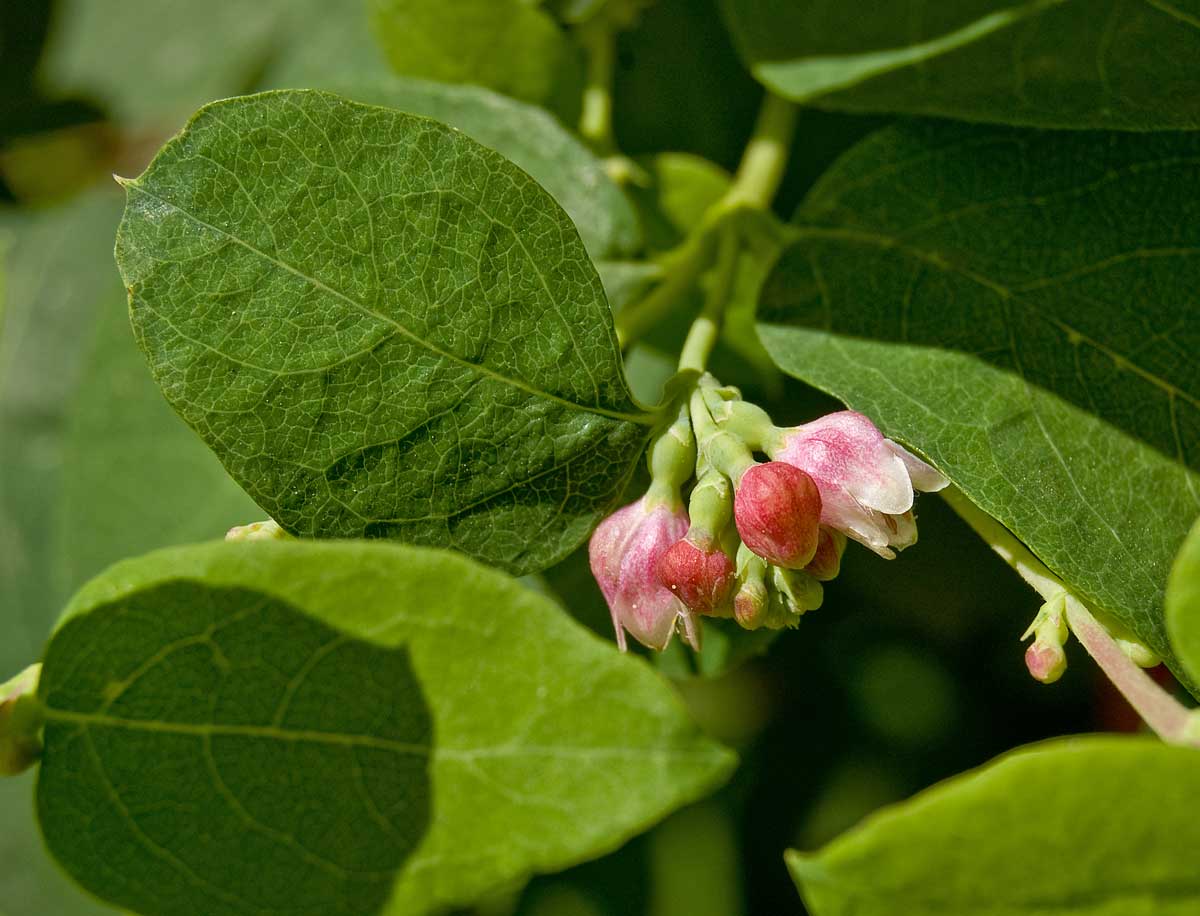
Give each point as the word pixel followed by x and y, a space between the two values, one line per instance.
pixel 643 419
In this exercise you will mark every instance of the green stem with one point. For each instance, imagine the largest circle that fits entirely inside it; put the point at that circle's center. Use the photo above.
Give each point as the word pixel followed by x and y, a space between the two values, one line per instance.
pixel 759 173
pixel 766 155
pixel 598 38
pixel 1167 717
pixel 703 334
pixel 680 273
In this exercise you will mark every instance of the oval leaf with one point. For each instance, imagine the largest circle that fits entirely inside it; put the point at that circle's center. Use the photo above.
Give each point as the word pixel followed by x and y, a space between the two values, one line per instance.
pixel 343 720
pixel 382 328
pixel 1048 63
pixel 1079 827
pixel 932 289
pixel 1183 604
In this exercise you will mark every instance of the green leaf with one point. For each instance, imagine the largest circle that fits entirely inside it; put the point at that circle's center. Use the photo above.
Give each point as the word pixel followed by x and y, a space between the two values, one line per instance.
pixel 1117 64
pixel 155 61
pixel 1183 604
pixel 1077 827
pixel 96 467
pixel 1008 303
pixel 507 45
pixel 382 328
pixel 528 136
pixel 341 719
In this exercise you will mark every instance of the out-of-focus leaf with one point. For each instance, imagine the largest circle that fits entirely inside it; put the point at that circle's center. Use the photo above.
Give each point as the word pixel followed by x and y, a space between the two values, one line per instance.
pixel 78 412
pixel 1125 64
pixel 1183 604
pixel 1077 827
pixel 335 728
pixel 153 62
pixel 507 45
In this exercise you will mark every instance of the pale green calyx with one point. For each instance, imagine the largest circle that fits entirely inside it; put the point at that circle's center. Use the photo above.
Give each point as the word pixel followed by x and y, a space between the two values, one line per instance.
pixel 20 722
pixel 710 506
pixel 672 460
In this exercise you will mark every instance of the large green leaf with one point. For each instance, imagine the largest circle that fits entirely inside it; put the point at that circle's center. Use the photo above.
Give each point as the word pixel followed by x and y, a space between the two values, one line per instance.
pixel 339 728
pixel 153 62
pixel 528 136
pixel 511 46
pixel 1095 826
pixel 96 467
pixel 381 327
pixel 1183 604
pixel 1022 308
pixel 1123 64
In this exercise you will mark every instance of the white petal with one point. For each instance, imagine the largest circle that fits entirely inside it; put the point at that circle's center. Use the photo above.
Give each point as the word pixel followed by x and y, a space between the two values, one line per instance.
pixel 923 477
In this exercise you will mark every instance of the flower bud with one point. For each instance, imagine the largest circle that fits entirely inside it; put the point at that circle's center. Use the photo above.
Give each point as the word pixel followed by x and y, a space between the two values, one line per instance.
pixel 866 481
pixel 699 572
pixel 1045 661
pixel 777 509
pixel 1045 658
pixel 793 593
pixel 752 603
pixel 624 552
pixel 827 561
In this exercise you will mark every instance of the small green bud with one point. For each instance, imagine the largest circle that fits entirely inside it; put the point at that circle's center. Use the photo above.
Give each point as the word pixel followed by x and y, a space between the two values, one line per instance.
pixel 1139 653
pixel 794 593
pixel 751 603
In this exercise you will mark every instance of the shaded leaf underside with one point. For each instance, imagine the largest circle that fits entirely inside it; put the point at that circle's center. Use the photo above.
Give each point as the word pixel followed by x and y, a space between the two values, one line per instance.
pixel 1021 307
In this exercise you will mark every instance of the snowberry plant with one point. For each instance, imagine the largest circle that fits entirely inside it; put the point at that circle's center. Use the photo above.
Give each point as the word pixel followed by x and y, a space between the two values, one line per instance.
pixel 460 338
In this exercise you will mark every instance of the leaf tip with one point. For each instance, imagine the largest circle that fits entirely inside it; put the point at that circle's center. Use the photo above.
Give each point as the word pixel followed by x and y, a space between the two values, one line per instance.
pixel 123 181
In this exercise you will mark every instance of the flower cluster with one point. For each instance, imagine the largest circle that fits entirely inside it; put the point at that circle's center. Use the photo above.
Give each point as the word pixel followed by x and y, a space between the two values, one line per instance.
pixel 757 538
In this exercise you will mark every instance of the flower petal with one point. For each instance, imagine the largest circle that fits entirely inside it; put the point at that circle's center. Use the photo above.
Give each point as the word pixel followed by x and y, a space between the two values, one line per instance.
pixel 924 477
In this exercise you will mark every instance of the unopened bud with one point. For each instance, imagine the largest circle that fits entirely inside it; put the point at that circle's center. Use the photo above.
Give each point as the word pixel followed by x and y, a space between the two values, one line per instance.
pixel 1139 653
pixel 793 593
pixel 20 722
pixel 699 572
pixel 1045 661
pixel 778 509
pixel 827 561
pixel 752 602
pixel 1045 657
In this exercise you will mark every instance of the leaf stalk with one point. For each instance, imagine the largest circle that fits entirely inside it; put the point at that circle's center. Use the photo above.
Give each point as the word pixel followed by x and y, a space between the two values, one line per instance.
pixel 1166 716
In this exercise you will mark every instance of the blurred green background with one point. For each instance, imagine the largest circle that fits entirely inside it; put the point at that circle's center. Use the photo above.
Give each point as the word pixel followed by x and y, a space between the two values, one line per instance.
pixel 911 672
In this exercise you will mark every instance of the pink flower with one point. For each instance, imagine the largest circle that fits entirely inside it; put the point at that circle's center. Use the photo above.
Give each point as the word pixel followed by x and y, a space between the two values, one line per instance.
pixel 777 509
pixel 699 572
pixel 625 552
pixel 866 481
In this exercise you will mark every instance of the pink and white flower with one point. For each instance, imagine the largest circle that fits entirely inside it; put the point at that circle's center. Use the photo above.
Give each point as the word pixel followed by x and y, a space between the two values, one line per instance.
pixel 625 551
pixel 866 481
